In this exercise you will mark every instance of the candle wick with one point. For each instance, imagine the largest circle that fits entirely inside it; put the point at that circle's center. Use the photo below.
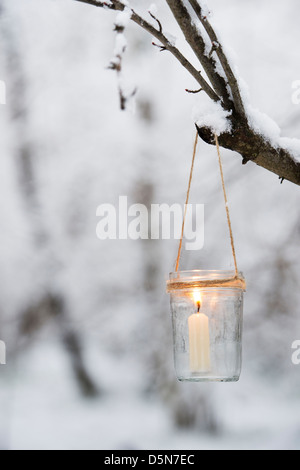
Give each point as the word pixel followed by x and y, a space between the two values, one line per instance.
pixel 199 306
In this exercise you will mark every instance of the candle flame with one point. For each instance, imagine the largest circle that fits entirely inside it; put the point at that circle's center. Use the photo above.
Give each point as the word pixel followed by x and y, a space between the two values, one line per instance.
pixel 197 299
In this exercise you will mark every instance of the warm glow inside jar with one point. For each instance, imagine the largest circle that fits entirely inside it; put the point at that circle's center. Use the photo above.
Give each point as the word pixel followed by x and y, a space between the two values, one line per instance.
pixel 207 317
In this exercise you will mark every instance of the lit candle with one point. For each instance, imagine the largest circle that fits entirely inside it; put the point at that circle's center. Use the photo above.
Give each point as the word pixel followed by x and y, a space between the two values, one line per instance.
pixel 199 339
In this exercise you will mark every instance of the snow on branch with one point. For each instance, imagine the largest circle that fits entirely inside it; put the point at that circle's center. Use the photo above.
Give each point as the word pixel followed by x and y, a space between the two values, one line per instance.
pixel 213 116
pixel 263 124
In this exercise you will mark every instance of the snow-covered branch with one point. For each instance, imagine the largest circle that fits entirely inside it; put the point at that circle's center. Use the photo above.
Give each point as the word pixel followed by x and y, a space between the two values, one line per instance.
pixel 196 41
pixel 222 87
pixel 117 5
pixel 218 48
pixel 280 157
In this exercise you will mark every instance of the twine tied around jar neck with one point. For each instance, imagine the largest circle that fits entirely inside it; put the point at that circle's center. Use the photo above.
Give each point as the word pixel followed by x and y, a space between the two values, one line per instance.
pixel 233 282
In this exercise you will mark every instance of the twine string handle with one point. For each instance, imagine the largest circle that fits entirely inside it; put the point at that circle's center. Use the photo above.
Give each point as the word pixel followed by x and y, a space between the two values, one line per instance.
pixel 237 276
pixel 186 202
pixel 227 207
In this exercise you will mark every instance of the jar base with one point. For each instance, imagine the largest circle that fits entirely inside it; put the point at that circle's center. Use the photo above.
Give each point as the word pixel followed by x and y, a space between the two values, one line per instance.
pixel 209 379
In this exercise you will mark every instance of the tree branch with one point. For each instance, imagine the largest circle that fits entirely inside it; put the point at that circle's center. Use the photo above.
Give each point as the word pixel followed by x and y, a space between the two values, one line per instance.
pixel 197 43
pixel 242 138
pixel 116 5
pixel 217 46
pixel 254 147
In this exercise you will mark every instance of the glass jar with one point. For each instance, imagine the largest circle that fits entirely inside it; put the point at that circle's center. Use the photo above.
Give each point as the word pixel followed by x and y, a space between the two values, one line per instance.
pixel 207 318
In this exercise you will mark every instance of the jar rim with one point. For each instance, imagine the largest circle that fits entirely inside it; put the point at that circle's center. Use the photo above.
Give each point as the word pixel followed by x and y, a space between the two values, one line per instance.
pixel 199 279
pixel 204 273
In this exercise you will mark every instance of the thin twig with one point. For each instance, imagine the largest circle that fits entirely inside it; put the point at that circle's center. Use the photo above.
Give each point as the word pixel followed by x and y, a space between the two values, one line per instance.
pixel 157 20
pixel 162 48
pixel 193 92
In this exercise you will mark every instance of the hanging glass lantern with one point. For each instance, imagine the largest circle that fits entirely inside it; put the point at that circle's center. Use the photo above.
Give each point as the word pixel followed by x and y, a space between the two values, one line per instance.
pixel 207 317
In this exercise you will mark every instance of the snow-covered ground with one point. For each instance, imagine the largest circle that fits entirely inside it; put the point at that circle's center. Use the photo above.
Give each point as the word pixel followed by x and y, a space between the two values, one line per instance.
pixel 41 410
pixel 89 153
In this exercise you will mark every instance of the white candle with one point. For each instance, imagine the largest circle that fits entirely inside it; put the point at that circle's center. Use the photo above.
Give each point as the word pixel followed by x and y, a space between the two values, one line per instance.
pixel 199 342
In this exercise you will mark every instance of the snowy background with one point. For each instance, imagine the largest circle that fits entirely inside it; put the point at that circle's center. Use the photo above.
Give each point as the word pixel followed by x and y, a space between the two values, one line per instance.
pixel 87 322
